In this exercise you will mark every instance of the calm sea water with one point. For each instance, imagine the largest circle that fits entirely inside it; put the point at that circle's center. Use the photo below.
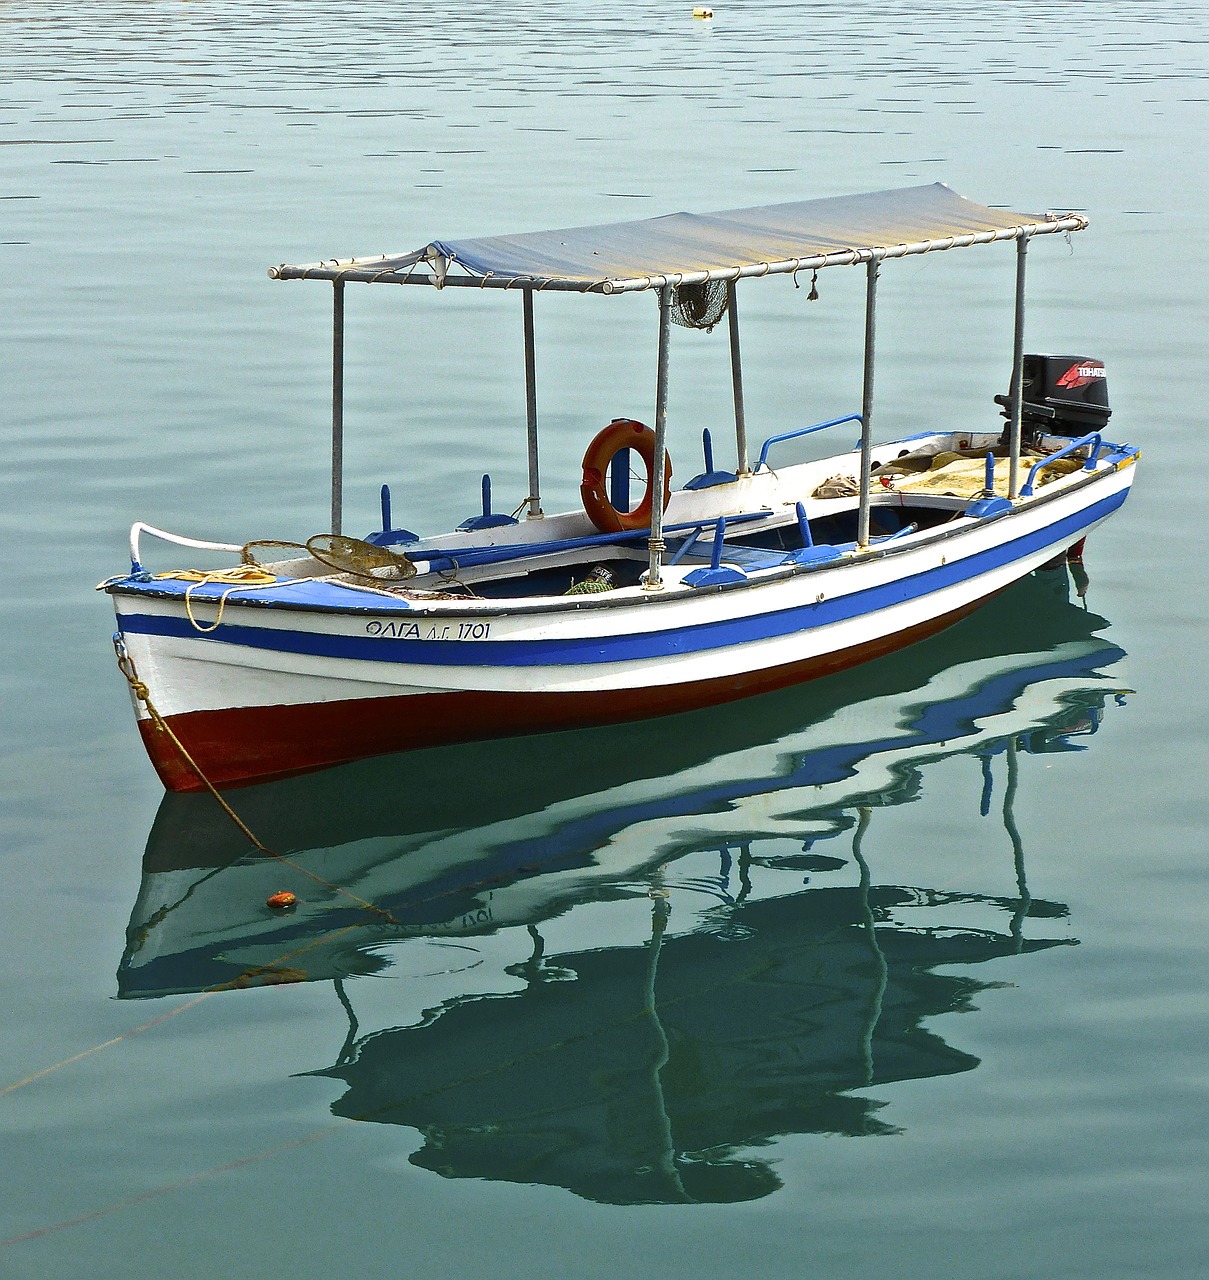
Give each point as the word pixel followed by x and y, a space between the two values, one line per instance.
pixel 900 974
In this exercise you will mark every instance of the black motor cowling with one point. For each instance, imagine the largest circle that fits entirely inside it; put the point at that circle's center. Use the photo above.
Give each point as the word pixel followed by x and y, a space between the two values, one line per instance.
pixel 1061 396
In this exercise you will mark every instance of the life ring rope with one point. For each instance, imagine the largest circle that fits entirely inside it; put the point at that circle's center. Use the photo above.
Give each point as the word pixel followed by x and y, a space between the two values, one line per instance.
pixel 621 433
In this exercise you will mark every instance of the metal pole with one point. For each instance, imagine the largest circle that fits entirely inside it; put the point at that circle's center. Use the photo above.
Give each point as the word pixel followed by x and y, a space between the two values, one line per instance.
pixel 337 403
pixel 862 534
pixel 534 499
pixel 656 544
pixel 736 376
pixel 1015 396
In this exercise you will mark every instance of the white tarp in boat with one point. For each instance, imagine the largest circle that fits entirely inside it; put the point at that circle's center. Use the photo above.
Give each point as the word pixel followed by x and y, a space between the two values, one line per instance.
pixel 684 248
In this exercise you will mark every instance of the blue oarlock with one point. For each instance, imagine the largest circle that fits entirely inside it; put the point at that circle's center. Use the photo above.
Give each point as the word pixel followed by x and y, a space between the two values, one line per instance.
pixel 718 574
pixel 386 536
pixel 486 520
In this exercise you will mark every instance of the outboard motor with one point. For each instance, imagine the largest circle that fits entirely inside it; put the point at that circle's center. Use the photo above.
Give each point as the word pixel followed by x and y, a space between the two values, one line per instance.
pixel 1062 396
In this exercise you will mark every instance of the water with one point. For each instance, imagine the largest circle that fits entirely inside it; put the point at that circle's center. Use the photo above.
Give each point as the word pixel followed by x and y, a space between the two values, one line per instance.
pixel 1004 824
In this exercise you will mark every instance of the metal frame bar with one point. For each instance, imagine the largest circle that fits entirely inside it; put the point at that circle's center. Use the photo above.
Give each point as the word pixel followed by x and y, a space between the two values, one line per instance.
pixel 656 544
pixel 1015 395
pixel 139 528
pixel 374 271
pixel 862 524
pixel 357 270
pixel 337 404
pixel 736 376
pixel 534 498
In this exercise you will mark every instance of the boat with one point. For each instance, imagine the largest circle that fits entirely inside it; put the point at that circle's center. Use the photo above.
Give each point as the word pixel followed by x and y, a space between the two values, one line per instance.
pixel 297 657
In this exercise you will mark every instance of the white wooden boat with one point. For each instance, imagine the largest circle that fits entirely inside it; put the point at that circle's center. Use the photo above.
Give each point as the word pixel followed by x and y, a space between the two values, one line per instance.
pixel 738 583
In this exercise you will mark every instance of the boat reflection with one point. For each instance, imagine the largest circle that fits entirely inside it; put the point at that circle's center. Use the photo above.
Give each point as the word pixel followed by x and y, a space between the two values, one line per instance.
pixel 759 973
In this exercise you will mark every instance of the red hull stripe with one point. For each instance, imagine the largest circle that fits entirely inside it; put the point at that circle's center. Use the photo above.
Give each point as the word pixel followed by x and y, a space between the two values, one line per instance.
pixel 243 745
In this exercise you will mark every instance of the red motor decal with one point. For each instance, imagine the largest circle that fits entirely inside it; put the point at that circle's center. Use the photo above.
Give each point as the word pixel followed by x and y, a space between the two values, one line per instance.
pixel 1080 375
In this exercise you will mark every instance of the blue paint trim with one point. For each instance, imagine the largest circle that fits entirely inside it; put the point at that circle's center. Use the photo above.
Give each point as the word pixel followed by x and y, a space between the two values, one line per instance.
pixel 424 650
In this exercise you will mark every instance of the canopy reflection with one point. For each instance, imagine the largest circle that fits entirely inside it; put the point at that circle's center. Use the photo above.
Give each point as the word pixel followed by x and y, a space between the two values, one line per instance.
pixel 648 1074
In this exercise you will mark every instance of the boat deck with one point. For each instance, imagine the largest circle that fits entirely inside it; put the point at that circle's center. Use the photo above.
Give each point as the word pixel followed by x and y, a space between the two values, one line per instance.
pixel 920 485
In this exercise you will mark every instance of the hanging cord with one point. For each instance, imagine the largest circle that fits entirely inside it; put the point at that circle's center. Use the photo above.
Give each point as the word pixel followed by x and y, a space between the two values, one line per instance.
pixel 813 295
pixel 261 975
pixel 143 694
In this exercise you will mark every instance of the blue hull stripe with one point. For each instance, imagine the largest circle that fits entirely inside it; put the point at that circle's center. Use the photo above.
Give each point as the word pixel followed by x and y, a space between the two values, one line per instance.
pixel 643 645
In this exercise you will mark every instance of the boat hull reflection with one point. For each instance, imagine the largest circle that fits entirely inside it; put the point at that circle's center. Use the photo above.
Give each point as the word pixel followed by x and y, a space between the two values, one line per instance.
pixel 771 973
pixel 466 839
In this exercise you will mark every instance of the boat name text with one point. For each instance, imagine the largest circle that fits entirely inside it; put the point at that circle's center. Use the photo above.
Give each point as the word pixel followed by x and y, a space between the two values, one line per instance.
pixel 429 631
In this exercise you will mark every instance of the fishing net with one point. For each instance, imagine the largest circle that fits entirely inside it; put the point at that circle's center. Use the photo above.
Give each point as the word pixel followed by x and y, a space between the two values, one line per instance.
pixel 266 551
pixel 699 306
pixel 361 559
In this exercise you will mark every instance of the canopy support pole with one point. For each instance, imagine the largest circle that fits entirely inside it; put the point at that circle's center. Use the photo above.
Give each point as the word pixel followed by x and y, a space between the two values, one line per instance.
pixel 337 403
pixel 862 534
pixel 656 544
pixel 1015 397
pixel 736 377
pixel 534 499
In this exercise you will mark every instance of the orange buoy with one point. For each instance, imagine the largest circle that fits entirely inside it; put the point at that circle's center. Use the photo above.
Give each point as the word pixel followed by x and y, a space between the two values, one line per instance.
pixel 621 433
pixel 281 901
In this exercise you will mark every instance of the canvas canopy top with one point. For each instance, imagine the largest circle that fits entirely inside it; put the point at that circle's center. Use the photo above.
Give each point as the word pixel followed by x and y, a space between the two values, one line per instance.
pixel 687 248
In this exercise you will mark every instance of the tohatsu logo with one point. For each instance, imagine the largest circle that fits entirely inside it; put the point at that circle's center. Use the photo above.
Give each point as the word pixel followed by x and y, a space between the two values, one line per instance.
pixel 1081 375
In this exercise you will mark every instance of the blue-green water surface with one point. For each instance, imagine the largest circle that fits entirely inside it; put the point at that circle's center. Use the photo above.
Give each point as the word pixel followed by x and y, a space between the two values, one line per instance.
pixel 902 973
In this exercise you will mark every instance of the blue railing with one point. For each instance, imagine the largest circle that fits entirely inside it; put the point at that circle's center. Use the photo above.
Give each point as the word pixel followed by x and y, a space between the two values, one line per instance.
pixel 1093 443
pixel 802 431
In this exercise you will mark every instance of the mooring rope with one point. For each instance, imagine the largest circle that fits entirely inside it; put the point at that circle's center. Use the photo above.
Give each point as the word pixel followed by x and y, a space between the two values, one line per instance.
pixel 375 1114
pixel 143 694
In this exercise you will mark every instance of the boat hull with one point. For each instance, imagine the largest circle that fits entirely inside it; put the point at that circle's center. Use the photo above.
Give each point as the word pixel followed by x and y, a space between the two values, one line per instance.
pixel 240 745
pixel 266 692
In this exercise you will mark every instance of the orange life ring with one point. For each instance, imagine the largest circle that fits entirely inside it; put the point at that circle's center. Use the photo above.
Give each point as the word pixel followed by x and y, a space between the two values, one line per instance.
pixel 621 433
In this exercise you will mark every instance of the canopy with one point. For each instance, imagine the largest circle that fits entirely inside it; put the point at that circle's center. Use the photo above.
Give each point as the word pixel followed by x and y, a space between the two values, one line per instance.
pixel 687 248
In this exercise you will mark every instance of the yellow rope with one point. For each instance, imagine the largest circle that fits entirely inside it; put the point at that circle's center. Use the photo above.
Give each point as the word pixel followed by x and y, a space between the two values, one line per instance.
pixel 248 574
pixel 241 575
pixel 269 973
